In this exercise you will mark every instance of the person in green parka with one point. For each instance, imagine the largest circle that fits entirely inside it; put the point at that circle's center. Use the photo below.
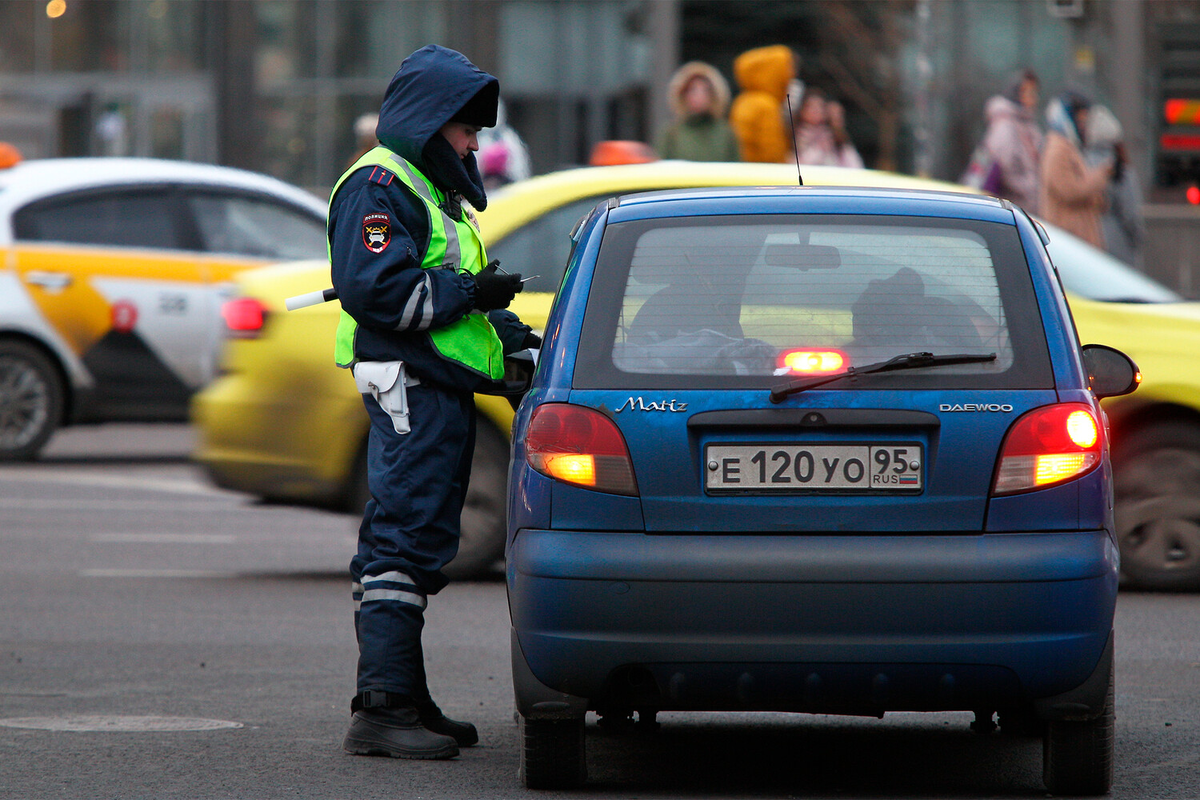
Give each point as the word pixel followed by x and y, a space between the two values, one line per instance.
pixel 699 97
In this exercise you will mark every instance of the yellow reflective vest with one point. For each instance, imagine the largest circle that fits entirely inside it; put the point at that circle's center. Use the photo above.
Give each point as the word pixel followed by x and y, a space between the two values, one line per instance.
pixel 455 244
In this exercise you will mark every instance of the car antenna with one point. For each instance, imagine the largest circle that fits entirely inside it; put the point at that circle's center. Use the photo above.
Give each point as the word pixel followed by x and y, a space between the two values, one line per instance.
pixel 792 128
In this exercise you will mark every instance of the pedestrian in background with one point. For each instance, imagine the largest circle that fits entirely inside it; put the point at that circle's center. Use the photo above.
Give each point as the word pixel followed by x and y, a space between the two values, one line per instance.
pixel 1013 142
pixel 1073 195
pixel 364 135
pixel 503 156
pixel 820 131
pixel 1122 221
pixel 409 268
pixel 758 116
pixel 699 98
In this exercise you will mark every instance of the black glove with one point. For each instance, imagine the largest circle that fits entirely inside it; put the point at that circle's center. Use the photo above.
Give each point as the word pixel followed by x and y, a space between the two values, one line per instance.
pixel 532 341
pixel 494 290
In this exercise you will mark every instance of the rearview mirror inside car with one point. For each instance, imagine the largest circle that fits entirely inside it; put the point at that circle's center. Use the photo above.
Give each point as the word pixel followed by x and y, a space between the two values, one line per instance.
pixel 1110 372
pixel 803 256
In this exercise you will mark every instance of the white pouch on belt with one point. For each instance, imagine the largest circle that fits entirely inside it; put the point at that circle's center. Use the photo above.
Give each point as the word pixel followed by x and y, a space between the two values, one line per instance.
pixel 388 383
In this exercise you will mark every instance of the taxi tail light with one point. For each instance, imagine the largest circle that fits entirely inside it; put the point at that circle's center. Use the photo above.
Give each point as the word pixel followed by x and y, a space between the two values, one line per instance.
pixel 244 317
pixel 1048 446
pixel 579 446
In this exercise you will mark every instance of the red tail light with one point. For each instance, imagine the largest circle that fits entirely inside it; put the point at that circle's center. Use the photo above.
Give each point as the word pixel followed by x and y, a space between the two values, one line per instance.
pixel 1048 446
pixel 580 446
pixel 244 317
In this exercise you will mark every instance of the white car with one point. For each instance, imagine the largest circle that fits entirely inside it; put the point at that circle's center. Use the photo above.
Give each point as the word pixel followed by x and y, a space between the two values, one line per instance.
pixel 112 283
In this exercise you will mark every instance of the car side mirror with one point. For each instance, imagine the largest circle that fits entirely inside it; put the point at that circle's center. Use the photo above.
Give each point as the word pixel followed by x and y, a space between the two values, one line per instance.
pixel 1110 372
pixel 518 376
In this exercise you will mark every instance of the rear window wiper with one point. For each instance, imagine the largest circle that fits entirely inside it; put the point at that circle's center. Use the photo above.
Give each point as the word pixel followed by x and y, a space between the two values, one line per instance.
pixel 906 361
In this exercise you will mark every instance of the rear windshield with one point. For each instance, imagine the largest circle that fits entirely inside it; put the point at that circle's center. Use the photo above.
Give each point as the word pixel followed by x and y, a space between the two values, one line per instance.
pixel 723 301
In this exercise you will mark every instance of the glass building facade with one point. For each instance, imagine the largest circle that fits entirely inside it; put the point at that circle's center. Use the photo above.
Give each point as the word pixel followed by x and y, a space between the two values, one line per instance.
pixel 276 85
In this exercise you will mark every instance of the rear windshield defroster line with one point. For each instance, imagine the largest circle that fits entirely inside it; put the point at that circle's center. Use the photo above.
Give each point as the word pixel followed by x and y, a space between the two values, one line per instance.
pixel 999 262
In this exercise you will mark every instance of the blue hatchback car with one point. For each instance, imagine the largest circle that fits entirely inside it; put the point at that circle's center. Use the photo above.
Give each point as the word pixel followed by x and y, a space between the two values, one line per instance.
pixel 820 450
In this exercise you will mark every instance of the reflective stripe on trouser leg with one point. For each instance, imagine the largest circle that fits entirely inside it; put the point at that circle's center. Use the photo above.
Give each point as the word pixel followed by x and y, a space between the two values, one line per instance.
pixel 389 648
pixel 394 586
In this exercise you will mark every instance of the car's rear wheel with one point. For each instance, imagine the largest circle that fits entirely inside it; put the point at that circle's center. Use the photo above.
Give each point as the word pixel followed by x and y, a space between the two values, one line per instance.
pixel 1078 756
pixel 553 755
pixel 31 400
pixel 1157 479
pixel 481 543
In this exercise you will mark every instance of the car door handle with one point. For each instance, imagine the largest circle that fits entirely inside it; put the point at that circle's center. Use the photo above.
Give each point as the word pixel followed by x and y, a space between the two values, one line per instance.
pixel 54 281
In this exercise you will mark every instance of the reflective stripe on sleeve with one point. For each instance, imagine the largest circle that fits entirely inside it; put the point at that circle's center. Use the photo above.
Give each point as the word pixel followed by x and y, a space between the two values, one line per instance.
pixel 425 287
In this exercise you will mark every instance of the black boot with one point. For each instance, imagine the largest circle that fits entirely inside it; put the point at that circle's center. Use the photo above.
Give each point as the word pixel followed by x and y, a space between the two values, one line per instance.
pixel 434 720
pixel 396 732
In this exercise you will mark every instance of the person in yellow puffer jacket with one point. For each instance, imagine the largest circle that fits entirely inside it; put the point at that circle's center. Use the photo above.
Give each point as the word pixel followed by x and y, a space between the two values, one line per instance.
pixel 757 115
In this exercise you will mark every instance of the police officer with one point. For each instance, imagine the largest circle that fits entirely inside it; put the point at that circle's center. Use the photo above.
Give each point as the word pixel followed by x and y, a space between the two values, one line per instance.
pixel 422 329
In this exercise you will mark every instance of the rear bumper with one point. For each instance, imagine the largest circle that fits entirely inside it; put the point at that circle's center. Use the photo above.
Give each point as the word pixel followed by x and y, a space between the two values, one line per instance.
pixel 826 623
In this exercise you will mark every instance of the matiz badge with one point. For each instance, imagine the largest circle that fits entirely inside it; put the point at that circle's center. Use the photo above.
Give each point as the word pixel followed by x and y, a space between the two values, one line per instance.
pixel 377 232
pixel 638 404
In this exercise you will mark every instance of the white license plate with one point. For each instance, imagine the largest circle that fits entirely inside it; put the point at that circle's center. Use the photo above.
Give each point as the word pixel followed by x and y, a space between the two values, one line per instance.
pixel 894 467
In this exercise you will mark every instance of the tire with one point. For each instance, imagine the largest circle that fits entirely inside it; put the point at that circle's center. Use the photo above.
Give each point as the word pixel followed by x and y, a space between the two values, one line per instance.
pixel 32 398
pixel 1156 474
pixel 553 755
pixel 481 543
pixel 1077 757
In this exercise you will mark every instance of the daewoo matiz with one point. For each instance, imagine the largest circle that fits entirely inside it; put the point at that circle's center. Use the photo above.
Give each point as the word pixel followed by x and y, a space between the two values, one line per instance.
pixel 814 449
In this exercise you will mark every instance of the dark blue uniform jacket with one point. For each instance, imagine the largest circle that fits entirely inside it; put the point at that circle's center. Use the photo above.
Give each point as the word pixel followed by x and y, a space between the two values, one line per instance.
pixel 376 285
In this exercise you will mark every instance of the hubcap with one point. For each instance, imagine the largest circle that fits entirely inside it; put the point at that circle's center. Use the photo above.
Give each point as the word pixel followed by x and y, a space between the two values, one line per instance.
pixel 24 403
pixel 1158 513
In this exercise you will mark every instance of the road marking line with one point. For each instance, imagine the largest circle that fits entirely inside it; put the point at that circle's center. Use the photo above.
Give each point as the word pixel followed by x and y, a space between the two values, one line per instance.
pixel 111 723
pixel 164 538
pixel 132 483
pixel 155 573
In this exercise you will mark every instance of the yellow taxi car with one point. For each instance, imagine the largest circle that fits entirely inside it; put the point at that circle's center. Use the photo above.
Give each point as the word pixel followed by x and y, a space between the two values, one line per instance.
pixel 284 423
pixel 114 271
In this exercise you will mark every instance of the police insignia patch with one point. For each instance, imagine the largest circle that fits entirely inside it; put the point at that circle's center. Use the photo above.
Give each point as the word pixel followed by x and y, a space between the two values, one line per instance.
pixel 377 232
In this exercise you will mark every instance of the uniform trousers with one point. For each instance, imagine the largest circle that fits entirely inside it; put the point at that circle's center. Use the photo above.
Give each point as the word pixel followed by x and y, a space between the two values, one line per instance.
pixel 410 530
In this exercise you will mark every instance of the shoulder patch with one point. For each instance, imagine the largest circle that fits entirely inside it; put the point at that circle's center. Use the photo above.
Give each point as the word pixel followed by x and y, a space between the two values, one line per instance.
pixel 377 232
pixel 381 176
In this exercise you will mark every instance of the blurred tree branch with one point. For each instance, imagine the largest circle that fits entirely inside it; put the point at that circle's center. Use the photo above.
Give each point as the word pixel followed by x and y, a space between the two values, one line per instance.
pixel 861 48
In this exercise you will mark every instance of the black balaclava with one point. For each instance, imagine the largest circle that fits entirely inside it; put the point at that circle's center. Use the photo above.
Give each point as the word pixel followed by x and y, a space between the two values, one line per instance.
pixel 433 86
pixel 444 166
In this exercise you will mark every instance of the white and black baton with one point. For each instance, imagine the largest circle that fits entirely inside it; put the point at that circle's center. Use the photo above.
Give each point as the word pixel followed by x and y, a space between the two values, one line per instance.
pixel 310 299
pixel 325 295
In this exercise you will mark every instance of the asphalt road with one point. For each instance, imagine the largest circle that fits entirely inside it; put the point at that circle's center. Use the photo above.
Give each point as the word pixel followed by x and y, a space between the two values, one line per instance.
pixel 209 639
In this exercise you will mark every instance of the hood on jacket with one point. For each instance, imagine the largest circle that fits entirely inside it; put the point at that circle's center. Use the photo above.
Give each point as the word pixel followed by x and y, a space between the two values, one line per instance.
pixel 430 88
pixel 1059 120
pixel 684 75
pixel 765 69
pixel 1103 128
pixel 1000 107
